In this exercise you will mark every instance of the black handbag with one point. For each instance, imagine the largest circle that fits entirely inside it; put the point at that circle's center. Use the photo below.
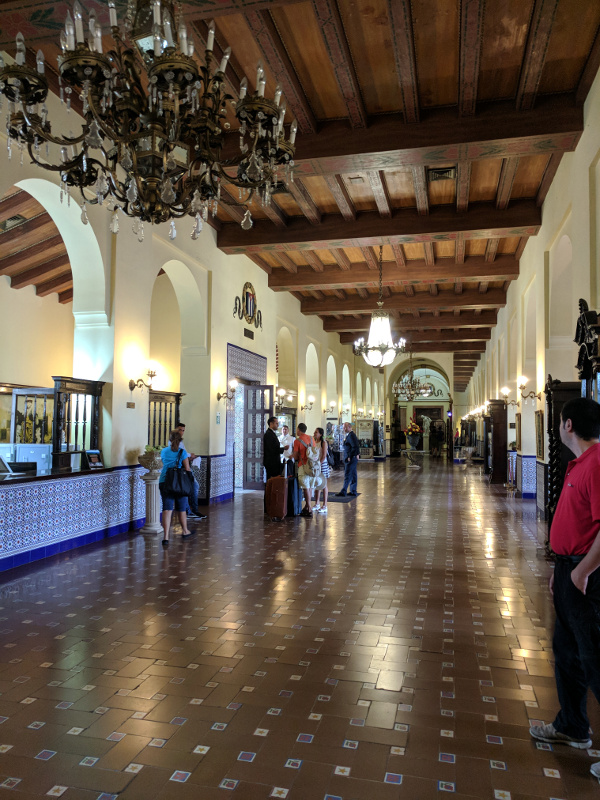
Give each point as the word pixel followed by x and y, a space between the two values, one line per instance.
pixel 330 457
pixel 178 481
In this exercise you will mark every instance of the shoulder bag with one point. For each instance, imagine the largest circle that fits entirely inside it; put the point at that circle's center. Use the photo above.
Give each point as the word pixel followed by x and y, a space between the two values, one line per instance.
pixel 178 481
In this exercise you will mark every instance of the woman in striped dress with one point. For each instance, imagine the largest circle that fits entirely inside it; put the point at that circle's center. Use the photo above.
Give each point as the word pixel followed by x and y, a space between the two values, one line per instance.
pixel 321 441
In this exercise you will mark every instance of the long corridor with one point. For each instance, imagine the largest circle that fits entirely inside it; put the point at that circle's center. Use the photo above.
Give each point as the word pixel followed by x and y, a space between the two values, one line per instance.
pixel 396 648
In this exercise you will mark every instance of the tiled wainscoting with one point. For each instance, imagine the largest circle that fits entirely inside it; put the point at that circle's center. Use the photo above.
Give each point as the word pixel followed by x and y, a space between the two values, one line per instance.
pixel 44 517
pixel 526 477
pixel 542 488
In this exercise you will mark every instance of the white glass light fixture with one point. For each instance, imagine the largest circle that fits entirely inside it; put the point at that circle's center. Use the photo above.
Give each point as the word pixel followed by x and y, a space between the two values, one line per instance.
pixel 380 350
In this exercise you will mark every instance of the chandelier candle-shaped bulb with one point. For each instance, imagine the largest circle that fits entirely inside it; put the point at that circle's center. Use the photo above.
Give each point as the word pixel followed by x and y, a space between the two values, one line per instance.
pixel 210 39
pixel 259 74
pixel 190 47
pixel 157 41
pixel 183 37
pixel 112 14
pixel 77 13
pixel 168 32
pixel 156 12
pixel 225 59
pixel 261 87
pixel 20 57
pixel 293 132
pixel 277 95
pixel 243 88
pixel 39 60
pixel 70 31
pixel 282 111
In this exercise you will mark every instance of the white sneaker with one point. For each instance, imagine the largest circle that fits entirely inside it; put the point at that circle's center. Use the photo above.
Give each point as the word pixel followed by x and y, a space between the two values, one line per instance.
pixel 322 510
pixel 595 770
pixel 317 507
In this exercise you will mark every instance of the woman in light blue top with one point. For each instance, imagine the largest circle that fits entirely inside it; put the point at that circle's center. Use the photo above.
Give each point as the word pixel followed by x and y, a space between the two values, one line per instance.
pixel 170 455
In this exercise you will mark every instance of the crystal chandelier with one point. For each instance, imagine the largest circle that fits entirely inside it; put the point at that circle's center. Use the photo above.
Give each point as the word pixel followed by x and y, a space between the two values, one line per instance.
pixel 153 120
pixel 409 387
pixel 380 350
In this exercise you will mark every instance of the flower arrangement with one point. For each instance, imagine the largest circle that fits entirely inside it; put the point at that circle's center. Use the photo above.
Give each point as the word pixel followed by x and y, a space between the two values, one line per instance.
pixel 413 429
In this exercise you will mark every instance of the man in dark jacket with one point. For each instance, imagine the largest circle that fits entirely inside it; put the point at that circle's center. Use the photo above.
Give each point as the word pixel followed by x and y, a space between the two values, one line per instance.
pixel 351 454
pixel 272 449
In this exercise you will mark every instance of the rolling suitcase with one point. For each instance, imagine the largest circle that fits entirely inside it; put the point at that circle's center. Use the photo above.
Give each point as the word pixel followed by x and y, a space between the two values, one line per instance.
pixel 276 496
pixel 294 501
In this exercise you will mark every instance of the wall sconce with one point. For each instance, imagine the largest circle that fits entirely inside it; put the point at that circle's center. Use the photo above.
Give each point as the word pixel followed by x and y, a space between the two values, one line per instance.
pixel 527 395
pixel 309 405
pixel 505 391
pixel 329 409
pixel 370 413
pixel 279 399
pixel 139 384
pixel 233 384
pixel 347 409
pixel 360 412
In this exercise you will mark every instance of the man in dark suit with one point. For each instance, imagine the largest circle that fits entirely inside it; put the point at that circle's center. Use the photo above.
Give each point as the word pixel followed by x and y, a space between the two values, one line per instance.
pixel 351 454
pixel 272 451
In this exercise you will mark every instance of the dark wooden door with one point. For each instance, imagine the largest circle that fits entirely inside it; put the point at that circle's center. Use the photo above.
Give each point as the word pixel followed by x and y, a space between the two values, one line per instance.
pixel 258 407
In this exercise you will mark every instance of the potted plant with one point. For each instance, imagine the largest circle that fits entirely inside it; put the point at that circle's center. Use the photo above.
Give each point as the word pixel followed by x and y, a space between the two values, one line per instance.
pixel 150 459
pixel 413 434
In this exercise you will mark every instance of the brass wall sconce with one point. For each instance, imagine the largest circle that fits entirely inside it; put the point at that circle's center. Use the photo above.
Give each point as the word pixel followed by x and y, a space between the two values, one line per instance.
pixel 279 399
pixel 527 395
pixel 140 384
pixel 505 391
pixel 233 384
pixel 346 409
pixel 330 407
pixel 309 404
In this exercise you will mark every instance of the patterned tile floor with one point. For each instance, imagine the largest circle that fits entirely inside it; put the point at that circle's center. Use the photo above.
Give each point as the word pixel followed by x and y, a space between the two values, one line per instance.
pixel 395 649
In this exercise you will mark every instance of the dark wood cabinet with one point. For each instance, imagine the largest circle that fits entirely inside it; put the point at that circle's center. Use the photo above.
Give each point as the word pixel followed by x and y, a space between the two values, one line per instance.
pixel 557 393
pixel 495 435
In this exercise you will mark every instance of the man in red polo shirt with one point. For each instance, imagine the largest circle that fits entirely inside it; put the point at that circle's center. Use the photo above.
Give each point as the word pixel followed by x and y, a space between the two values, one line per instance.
pixel 575 583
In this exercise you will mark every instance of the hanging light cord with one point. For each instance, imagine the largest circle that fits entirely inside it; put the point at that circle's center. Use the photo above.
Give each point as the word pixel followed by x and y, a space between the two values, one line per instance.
pixel 380 301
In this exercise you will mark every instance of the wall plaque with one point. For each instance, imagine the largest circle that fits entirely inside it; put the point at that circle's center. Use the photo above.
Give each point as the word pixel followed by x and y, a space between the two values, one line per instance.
pixel 245 308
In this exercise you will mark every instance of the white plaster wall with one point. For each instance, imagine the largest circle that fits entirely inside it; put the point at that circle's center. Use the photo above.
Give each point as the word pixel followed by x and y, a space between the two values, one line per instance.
pixel 37 336
pixel 165 335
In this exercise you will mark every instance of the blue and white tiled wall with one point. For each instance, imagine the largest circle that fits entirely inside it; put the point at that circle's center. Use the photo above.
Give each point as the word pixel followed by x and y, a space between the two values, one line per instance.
pixel 41 518
pixel 526 477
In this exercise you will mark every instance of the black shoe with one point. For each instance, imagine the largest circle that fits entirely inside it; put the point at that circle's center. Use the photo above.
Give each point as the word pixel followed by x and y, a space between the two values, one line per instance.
pixel 305 513
pixel 165 542
pixel 340 494
pixel 352 494
pixel 196 515
pixel 187 535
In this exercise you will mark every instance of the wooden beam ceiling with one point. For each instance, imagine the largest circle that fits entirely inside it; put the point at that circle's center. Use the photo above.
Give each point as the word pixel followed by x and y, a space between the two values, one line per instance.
pixel 495 298
pixel 407 322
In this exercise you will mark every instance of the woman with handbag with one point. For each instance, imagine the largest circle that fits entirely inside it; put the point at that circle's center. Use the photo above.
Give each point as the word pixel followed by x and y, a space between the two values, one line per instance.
pixel 175 477
pixel 326 459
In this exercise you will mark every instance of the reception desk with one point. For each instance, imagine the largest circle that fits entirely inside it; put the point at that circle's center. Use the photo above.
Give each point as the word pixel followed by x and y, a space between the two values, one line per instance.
pixel 43 514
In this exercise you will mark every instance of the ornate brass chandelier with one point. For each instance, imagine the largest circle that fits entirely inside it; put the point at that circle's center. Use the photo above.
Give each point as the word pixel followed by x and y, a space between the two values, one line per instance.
pixel 410 387
pixel 380 350
pixel 153 120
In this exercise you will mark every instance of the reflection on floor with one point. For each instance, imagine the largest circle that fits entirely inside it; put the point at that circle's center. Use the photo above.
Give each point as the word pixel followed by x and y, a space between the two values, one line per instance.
pixel 395 648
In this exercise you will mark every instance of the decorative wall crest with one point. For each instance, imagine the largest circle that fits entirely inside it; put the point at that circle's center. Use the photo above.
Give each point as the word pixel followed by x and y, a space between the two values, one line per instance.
pixel 245 308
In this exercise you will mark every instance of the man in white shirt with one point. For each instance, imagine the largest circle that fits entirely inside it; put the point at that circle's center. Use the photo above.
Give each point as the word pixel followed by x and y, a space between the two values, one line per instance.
pixel 286 440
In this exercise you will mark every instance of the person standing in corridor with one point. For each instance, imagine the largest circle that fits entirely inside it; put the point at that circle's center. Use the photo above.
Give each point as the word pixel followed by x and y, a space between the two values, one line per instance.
pixel 575 583
pixel 351 454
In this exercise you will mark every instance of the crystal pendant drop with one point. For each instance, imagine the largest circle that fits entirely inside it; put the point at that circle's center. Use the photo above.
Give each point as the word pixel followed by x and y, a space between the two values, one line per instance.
pixel 141 234
pixel 114 222
pixel 197 227
pixel 247 221
pixel 84 216
pixel 172 230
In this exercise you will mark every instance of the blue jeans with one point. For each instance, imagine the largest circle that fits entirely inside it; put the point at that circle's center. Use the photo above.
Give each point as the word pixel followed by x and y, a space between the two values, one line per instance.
pixel 576 646
pixel 350 474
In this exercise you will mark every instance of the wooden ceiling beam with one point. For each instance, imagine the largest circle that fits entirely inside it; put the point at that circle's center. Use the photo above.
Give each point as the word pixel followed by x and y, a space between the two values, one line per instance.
pixel 589 71
pixel 307 205
pixel 313 260
pixel 65 297
pixel 337 187
pixel 449 347
pixel 496 131
pixel 399 255
pixel 417 337
pixel 471 28
pixel 521 218
pixel 406 322
pixel 14 234
pixel 341 258
pixel 31 276
pixel 334 36
pixel 553 165
pixel 505 184
pixel 491 249
pixel 17 203
pixel 260 262
pixel 378 187
pixel 286 262
pixel 29 253
pixel 521 246
pixel 370 259
pixel 58 284
pixel 401 34
pixel 463 185
pixel 275 214
pixel 429 254
pixel 475 268
pixel 267 36
pixel 422 301
pixel 420 184
pixel 540 28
